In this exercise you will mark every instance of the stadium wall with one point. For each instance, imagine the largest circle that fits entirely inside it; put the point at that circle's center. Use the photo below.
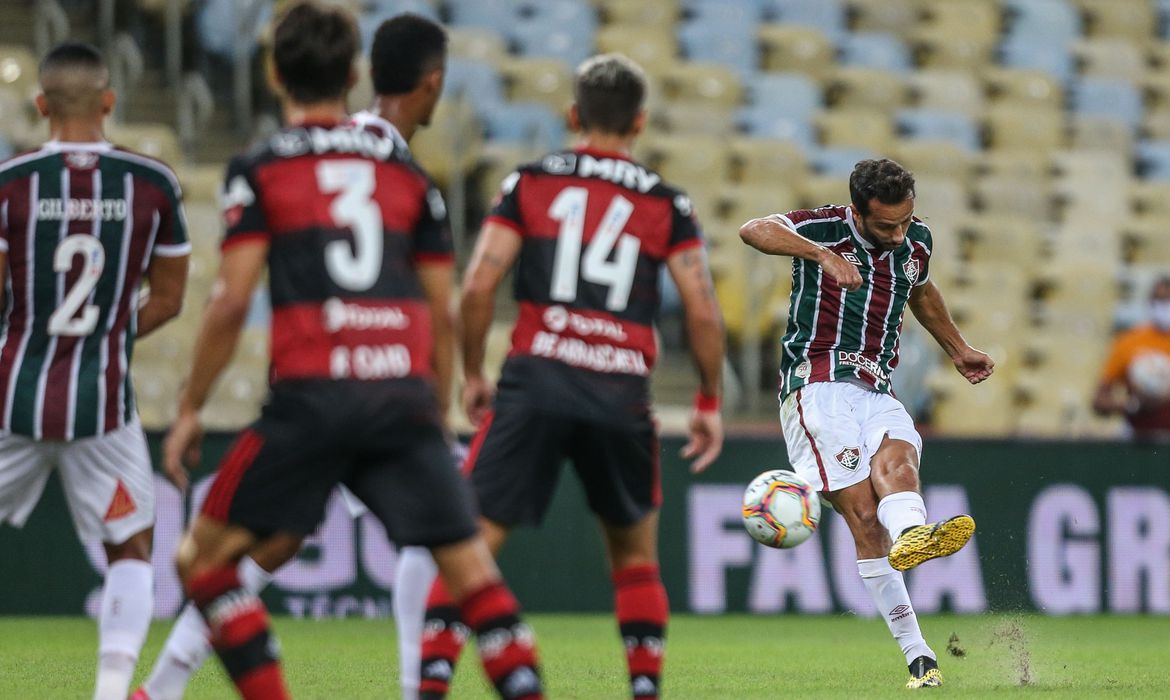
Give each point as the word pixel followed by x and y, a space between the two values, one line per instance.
pixel 1063 528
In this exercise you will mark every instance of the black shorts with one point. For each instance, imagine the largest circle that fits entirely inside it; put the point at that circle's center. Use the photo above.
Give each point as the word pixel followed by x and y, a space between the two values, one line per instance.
pixel 515 461
pixel 383 440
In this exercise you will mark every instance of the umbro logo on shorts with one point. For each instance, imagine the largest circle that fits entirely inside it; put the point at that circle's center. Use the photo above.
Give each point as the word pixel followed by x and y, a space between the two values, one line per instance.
pixel 849 457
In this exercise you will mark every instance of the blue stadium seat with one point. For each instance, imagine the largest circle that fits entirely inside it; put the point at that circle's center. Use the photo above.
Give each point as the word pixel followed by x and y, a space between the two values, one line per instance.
pixel 838 161
pixel 1042 20
pixel 956 127
pixel 787 94
pixel 552 39
pixel 826 15
pixel 1051 56
pixel 499 15
pixel 5 149
pixel 478 82
pixel 568 13
pixel 728 45
pixel 1107 97
pixel 724 13
pixel 875 50
pixel 1153 160
pixel 529 123
pixel 760 121
pixel 382 9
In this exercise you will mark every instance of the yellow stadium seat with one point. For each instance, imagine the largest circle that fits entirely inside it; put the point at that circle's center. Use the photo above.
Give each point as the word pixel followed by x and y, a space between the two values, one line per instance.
pixel 1003 238
pixel 951 49
pixel 154 140
pixel 765 161
pixel 820 190
pixel 16 119
pixel 1019 128
pixel 1018 164
pixel 1030 88
pixel 1150 198
pixel 941 200
pixel 476 44
pixel 973 18
pixel 361 95
pixel 545 80
pixel 238 395
pixel 866 89
pixel 744 202
pixel 706 82
pixel 1110 57
pixel 1016 195
pixel 786 47
pixel 1150 239
pixel 1098 133
pixel 498 161
pixel 952 90
pixel 891 16
pixel 649 13
pixel 930 158
pixel 1134 20
pixel 856 127
pixel 1156 123
pixel 201 182
pixel 689 161
pixel 694 117
pixel 963 410
pixel 652 45
pixel 451 143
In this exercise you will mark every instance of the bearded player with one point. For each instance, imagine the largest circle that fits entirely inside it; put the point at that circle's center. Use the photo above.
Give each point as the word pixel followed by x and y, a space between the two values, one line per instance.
pixel 855 269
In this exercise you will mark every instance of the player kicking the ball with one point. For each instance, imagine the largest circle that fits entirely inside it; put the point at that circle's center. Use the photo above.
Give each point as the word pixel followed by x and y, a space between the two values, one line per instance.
pixel 855 269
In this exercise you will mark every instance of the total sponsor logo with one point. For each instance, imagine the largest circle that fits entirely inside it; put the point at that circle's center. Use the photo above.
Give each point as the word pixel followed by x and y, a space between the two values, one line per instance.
pixel 860 361
pixel 338 315
pixel 596 357
pixel 370 362
pixel 558 319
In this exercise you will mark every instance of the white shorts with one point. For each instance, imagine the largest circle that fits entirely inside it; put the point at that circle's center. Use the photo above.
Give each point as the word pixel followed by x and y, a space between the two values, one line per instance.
pixel 833 429
pixel 108 481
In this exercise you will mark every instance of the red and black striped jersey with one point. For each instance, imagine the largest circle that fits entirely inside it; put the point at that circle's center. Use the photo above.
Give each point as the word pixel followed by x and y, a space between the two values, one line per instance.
pixel 80 223
pixel 347 215
pixel 838 335
pixel 596 230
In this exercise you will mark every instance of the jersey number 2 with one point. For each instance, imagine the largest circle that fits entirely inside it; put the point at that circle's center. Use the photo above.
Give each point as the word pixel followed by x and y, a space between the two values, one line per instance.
pixel 595 266
pixel 65 320
pixel 356 268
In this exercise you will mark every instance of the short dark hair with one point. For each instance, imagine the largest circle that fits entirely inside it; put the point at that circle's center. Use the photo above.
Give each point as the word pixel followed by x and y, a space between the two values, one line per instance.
pixel 313 49
pixel 73 54
pixel 883 179
pixel 406 47
pixel 609 90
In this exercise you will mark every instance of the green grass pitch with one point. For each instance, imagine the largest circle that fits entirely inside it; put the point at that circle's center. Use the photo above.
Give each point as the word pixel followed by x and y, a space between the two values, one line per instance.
pixel 716 658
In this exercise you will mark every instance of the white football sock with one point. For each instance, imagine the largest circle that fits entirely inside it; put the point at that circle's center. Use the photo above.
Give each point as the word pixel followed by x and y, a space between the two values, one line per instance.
pixel 127 604
pixel 187 648
pixel 901 510
pixel 888 590
pixel 412 583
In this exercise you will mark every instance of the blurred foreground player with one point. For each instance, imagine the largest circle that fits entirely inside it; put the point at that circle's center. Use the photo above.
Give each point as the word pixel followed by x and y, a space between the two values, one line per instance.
pixel 407 62
pixel 82 224
pixel 588 231
pixel 360 275
pixel 855 269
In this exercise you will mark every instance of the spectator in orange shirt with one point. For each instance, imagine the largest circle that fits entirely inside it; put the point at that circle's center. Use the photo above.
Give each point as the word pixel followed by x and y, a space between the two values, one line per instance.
pixel 1135 381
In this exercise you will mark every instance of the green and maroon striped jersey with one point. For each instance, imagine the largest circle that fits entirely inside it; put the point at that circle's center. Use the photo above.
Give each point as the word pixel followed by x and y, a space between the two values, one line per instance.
pixel 80 224
pixel 839 335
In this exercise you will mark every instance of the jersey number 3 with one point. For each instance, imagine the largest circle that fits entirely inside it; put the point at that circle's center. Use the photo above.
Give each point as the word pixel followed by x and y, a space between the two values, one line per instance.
pixel 595 266
pixel 356 268
pixel 65 320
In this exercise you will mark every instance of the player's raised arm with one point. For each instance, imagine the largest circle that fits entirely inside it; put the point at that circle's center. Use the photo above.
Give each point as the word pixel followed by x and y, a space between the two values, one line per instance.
pixel 495 251
pixel 704 322
pixel 927 305
pixel 773 236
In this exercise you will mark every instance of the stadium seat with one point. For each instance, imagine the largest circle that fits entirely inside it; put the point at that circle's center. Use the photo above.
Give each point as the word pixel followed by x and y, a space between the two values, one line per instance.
pixel 1149 237
pixel 569 13
pixel 695 117
pixel 858 128
pixel 1150 197
pixel 727 45
pixel 544 38
pixel 476 45
pixel 941 201
pixel 894 16
pixel 155 140
pixel 653 47
pixel 855 87
pixel 1134 20
pixel 935 158
pixel 1153 160
pixel 702 81
pixel 827 16
pixel 690 161
pixel 1016 195
pixel 1001 238
pixel 762 122
pixel 963 410
pixel 1034 165
pixel 532 123
pixel 975 18
pixel 532 79
pixel 1101 133
pixel 838 161
pixel 497 15
pixel 805 50
pixel 959 91
pixel 940 125
pixel 1017 128
pixel 1107 97
pixel 743 203
pixel 479 83
pixel 875 50
pixel 1054 58
pixel 743 14
pixel 644 13
pixel 1023 87
pixel 820 190
pixel 450 145
pixel 1110 58
pixel 763 161
pixel 16 122
pixel 950 49
pixel 1046 20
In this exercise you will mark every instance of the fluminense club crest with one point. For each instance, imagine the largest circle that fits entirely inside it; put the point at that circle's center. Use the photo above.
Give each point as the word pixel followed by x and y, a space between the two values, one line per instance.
pixel 849 457
pixel 911 268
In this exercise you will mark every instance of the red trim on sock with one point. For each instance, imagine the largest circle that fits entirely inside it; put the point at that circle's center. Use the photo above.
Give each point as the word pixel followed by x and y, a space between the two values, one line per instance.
pixel 639 595
pixel 264 683
pixel 208 586
pixel 241 627
pixel 492 601
pixel 439 597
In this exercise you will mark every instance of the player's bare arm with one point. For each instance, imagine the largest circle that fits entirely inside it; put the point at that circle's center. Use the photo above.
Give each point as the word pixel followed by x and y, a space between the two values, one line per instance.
pixel 167 277
pixel 704 324
pixel 772 236
pixel 239 273
pixel 437 280
pixel 495 252
pixel 926 302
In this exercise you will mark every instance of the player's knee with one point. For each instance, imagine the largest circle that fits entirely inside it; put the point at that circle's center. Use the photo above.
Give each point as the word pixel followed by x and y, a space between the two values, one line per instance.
pixel 136 547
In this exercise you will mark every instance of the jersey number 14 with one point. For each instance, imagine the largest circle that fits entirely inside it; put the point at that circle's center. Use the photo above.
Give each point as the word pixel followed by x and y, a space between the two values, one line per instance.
pixel 595 265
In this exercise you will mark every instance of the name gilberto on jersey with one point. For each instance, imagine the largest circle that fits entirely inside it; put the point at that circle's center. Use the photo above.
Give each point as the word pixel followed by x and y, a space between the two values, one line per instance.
pixel 56 209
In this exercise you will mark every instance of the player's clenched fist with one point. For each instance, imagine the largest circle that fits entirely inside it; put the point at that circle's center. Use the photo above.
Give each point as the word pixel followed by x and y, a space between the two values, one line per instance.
pixel 974 365
pixel 841 270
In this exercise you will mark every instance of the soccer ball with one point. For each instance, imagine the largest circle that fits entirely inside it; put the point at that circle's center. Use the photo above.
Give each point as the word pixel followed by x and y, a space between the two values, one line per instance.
pixel 780 509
